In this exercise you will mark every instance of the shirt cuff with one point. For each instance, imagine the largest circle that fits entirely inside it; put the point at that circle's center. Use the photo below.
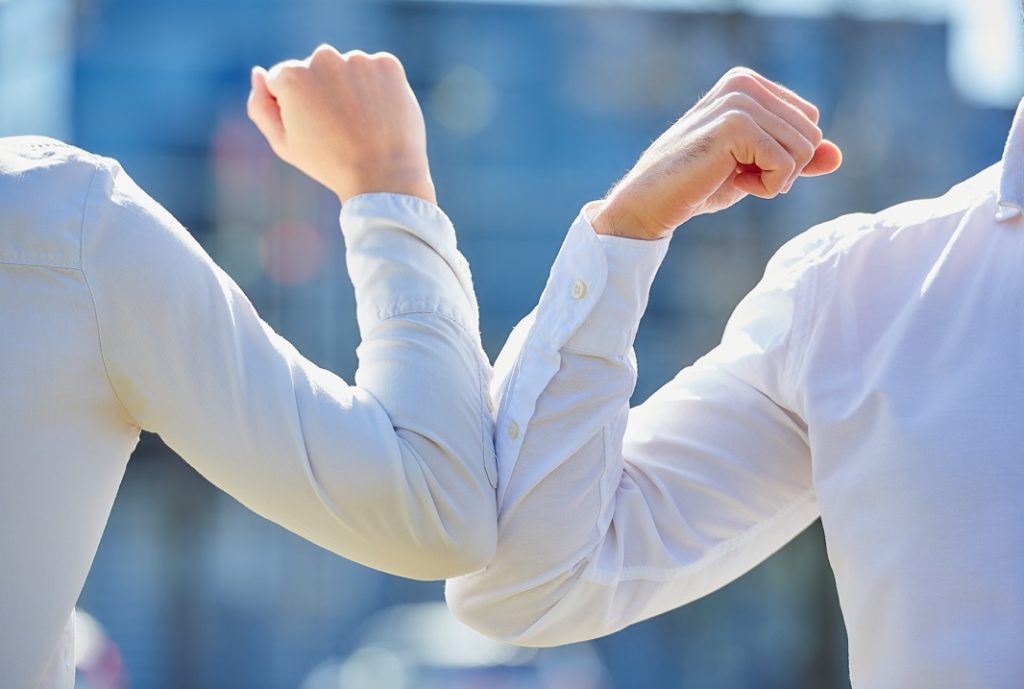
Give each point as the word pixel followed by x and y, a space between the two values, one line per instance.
pixel 403 258
pixel 598 289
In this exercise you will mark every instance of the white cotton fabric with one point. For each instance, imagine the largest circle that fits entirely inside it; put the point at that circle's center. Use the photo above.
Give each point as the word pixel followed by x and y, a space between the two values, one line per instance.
pixel 874 377
pixel 115 320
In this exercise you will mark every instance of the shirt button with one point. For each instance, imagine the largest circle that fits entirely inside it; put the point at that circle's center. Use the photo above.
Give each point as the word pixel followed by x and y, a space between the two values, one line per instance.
pixel 513 430
pixel 579 289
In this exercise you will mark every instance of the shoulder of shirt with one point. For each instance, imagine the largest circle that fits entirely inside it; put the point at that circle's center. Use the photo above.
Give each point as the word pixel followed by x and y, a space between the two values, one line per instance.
pixel 833 244
pixel 44 188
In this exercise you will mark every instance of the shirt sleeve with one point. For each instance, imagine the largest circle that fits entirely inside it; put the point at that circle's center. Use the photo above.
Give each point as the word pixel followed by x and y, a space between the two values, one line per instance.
pixel 397 471
pixel 608 516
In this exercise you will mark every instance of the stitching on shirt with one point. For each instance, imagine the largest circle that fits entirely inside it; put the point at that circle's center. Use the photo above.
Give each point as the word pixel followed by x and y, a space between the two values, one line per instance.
pixel 34 264
pixel 452 319
pixel 483 435
pixel 602 489
pixel 617 356
pixel 664 575
pixel 92 298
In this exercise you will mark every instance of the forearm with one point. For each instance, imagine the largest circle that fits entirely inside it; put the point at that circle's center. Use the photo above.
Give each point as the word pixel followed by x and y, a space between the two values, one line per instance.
pixel 555 513
pixel 609 515
pixel 566 375
pixel 392 472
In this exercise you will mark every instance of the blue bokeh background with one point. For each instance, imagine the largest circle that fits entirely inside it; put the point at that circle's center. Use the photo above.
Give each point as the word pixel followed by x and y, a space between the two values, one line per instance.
pixel 532 110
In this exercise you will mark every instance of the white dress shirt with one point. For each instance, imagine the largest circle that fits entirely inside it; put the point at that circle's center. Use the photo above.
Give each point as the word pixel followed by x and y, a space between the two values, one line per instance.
pixel 874 377
pixel 114 319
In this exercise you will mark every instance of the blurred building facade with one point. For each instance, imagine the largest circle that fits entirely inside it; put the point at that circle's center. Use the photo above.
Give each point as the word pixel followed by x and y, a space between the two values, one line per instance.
pixel 531 112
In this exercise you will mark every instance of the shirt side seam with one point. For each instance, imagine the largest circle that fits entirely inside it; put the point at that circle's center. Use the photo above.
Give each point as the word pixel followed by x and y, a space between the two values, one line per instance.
pixel 484 436
pixel 92 298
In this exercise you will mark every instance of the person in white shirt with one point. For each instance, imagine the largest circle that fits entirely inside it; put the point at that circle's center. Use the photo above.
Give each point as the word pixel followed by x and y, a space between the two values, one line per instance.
pixel 874 377
pixel 115 320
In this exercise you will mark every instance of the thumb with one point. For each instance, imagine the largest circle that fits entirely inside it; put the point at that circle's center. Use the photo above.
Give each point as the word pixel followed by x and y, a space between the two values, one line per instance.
pixel 826 159
pixel 264 111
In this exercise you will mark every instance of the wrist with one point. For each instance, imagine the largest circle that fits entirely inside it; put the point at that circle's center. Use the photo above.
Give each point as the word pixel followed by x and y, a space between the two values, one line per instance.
pixel 416 183
pixel 612 219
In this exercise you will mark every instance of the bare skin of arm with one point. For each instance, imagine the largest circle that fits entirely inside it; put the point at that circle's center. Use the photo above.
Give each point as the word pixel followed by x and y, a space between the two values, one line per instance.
pixel 747 136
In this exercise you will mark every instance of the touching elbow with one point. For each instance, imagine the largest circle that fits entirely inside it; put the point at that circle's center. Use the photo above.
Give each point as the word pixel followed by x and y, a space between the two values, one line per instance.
pixel 503 619
pixel 476 610
pixel 466 547
pixel 452 541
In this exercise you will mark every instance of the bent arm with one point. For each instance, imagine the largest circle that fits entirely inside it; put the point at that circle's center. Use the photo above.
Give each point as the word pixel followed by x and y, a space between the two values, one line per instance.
pixel 395 472
pixel 608 516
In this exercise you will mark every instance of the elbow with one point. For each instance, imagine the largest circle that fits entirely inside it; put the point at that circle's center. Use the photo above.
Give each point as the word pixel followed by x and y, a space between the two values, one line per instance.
pixel 450 538
pixel 479 611
pixel 465 546
pixel 447 521
pixel 459 532
pixel 510 619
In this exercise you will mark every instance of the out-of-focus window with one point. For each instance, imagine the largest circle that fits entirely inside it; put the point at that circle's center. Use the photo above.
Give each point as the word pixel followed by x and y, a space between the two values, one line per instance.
pixel 35 67
pixel 986 47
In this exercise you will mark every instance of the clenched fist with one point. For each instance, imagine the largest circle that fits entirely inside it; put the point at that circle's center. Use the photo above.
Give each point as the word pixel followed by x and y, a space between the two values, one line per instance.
pixel 748 135
pixel 348 120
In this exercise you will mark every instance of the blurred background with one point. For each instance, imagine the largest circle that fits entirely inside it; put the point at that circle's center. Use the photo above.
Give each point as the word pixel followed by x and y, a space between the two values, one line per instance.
pixel 532 108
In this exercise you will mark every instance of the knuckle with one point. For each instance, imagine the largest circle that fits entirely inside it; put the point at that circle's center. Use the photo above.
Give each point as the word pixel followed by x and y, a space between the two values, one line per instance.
pixel 736 120
pixel 805 153
pixel 323 53
pixel 385 57
pixel 743 81
pixel 356 57
pixel 290 74
pixel 736 100
pixel 388 63
pixel 740 74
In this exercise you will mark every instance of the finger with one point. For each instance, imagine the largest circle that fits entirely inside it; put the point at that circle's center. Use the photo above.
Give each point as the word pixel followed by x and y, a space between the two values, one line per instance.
pixel 790 96
pixel 263 109
pixel 764 164
pixel 799 147
pixel 796 117
pixel 281 74
pixel 324 50
pixel 739 76
pixel 827 158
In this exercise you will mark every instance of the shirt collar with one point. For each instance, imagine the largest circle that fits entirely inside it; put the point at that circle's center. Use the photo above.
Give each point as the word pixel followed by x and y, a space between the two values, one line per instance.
pixel 1011 185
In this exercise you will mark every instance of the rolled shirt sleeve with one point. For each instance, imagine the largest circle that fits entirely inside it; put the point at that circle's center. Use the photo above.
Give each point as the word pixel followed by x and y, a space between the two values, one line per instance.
pixel 397 471
pixel 607 515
